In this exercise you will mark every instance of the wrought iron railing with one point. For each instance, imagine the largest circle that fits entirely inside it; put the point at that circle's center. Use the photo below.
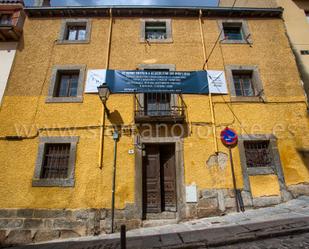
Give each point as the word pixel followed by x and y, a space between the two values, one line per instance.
pixel 160 109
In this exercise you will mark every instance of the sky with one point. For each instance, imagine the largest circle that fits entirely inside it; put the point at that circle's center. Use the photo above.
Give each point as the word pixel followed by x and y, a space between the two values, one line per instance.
pixel 130 2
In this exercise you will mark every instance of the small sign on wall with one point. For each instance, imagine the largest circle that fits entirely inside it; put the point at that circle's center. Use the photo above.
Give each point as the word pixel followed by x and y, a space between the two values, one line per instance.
pixel 95 78
pixel 191 194
pixel 217 82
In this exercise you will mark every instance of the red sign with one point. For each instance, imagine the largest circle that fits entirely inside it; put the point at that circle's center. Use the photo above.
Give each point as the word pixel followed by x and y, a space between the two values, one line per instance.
pixel 229 137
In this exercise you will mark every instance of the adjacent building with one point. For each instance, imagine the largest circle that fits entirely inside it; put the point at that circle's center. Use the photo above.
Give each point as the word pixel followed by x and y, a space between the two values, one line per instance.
pixel 11 27
pixel 58 141
pixel 297 26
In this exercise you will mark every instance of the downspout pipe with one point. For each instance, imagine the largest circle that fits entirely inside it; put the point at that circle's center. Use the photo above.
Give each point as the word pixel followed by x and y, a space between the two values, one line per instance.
pixel 212 112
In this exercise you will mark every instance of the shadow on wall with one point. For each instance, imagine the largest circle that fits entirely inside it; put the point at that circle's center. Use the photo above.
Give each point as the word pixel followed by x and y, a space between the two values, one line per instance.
pixel 116 119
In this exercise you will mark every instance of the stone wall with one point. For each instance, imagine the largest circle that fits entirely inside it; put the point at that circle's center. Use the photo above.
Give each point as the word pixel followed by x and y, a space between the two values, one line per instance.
pixel 24 226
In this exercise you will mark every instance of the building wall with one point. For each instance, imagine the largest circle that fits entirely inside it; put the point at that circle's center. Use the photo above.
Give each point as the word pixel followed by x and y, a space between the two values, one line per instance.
pixel 297 27
pixel 24 110
pixel 7 53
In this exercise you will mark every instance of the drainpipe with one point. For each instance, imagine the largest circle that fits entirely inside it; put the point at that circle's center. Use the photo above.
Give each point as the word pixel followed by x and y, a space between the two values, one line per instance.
pixel 115 137
pixel 213 120
pixel 101 151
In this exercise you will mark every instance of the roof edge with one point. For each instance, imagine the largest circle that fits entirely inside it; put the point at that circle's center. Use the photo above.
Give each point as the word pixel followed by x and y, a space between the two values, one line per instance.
pixel 151 10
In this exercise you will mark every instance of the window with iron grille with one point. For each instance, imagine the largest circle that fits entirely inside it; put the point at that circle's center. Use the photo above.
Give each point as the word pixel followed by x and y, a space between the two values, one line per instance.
pixel 243 84
pixel 67 84
pixel 258 153
pixel 157 104
pixel 233 31
pixel 56 161
pixel 76 33
pixel 155 31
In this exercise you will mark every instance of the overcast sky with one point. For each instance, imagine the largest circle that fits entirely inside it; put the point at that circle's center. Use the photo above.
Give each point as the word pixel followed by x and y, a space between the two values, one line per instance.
pixel 130 2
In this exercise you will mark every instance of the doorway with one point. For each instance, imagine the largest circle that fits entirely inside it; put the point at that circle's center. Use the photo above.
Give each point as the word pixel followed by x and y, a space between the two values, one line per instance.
pixel 159 179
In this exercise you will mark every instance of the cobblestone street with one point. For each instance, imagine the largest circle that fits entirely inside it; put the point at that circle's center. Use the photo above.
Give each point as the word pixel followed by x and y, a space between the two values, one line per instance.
pixel 300 241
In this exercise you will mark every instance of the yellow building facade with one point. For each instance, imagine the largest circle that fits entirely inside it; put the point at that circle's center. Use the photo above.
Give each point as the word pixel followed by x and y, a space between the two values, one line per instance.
pixel 272 123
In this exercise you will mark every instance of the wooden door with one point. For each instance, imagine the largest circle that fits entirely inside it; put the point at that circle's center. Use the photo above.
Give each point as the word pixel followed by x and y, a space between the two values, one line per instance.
pixel 151 180
pixel 168 177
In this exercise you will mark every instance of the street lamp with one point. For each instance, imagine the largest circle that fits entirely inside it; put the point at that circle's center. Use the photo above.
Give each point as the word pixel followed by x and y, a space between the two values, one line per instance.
pixel 104 93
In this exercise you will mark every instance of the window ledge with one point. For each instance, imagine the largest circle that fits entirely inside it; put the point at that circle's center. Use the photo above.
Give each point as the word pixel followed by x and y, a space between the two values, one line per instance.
pixel 236 42
pixel 77 99
pixel 246 99
pixel 64 42
pixel 261 171
pixel 53 182
pixel 168 40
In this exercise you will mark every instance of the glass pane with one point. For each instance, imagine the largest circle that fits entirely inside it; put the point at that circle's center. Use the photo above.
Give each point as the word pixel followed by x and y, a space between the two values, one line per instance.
pixel 237 86
pixel 247 85
pixel 233 33
pixel 63 87
pixel 6 19
pixel 82 35
pixel 72 34
pixel 73 86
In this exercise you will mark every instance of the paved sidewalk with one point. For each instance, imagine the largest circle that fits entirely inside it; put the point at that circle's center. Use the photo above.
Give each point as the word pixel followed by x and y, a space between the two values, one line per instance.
pixel 284 219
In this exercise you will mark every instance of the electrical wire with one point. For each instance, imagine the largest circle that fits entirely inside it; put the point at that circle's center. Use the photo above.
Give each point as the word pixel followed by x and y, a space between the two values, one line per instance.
pixel 217 40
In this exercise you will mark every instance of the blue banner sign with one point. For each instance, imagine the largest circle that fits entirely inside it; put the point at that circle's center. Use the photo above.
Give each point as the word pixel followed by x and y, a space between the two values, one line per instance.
pixel 157 81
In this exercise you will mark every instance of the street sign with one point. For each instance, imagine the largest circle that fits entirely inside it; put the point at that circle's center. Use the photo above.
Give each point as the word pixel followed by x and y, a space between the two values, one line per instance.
pixel 229 137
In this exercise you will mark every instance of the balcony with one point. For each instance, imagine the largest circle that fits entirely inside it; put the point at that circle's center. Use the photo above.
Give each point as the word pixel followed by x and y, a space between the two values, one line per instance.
pixel 11 26
pixel 159 108
pixel 9 32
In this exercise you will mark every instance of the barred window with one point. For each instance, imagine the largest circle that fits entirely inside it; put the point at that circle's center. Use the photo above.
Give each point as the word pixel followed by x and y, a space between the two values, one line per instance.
pixel 258 153
pixel 56 161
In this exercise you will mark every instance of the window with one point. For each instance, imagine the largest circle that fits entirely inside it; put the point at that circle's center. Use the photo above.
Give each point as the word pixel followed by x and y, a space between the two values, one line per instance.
pixel 75 31
pixel 156 30
pixel 304 52
pixel 6 19
pixel 55 162
pixel 234 31
pixel 157 104
pixel 243 84
pixel 67 84
pixel 258 154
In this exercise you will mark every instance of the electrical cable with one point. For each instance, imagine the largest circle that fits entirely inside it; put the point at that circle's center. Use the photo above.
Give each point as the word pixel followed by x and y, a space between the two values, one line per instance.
pixel 217 40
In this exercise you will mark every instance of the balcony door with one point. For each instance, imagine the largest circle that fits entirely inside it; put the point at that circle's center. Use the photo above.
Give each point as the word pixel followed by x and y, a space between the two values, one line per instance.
pixel 157 104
